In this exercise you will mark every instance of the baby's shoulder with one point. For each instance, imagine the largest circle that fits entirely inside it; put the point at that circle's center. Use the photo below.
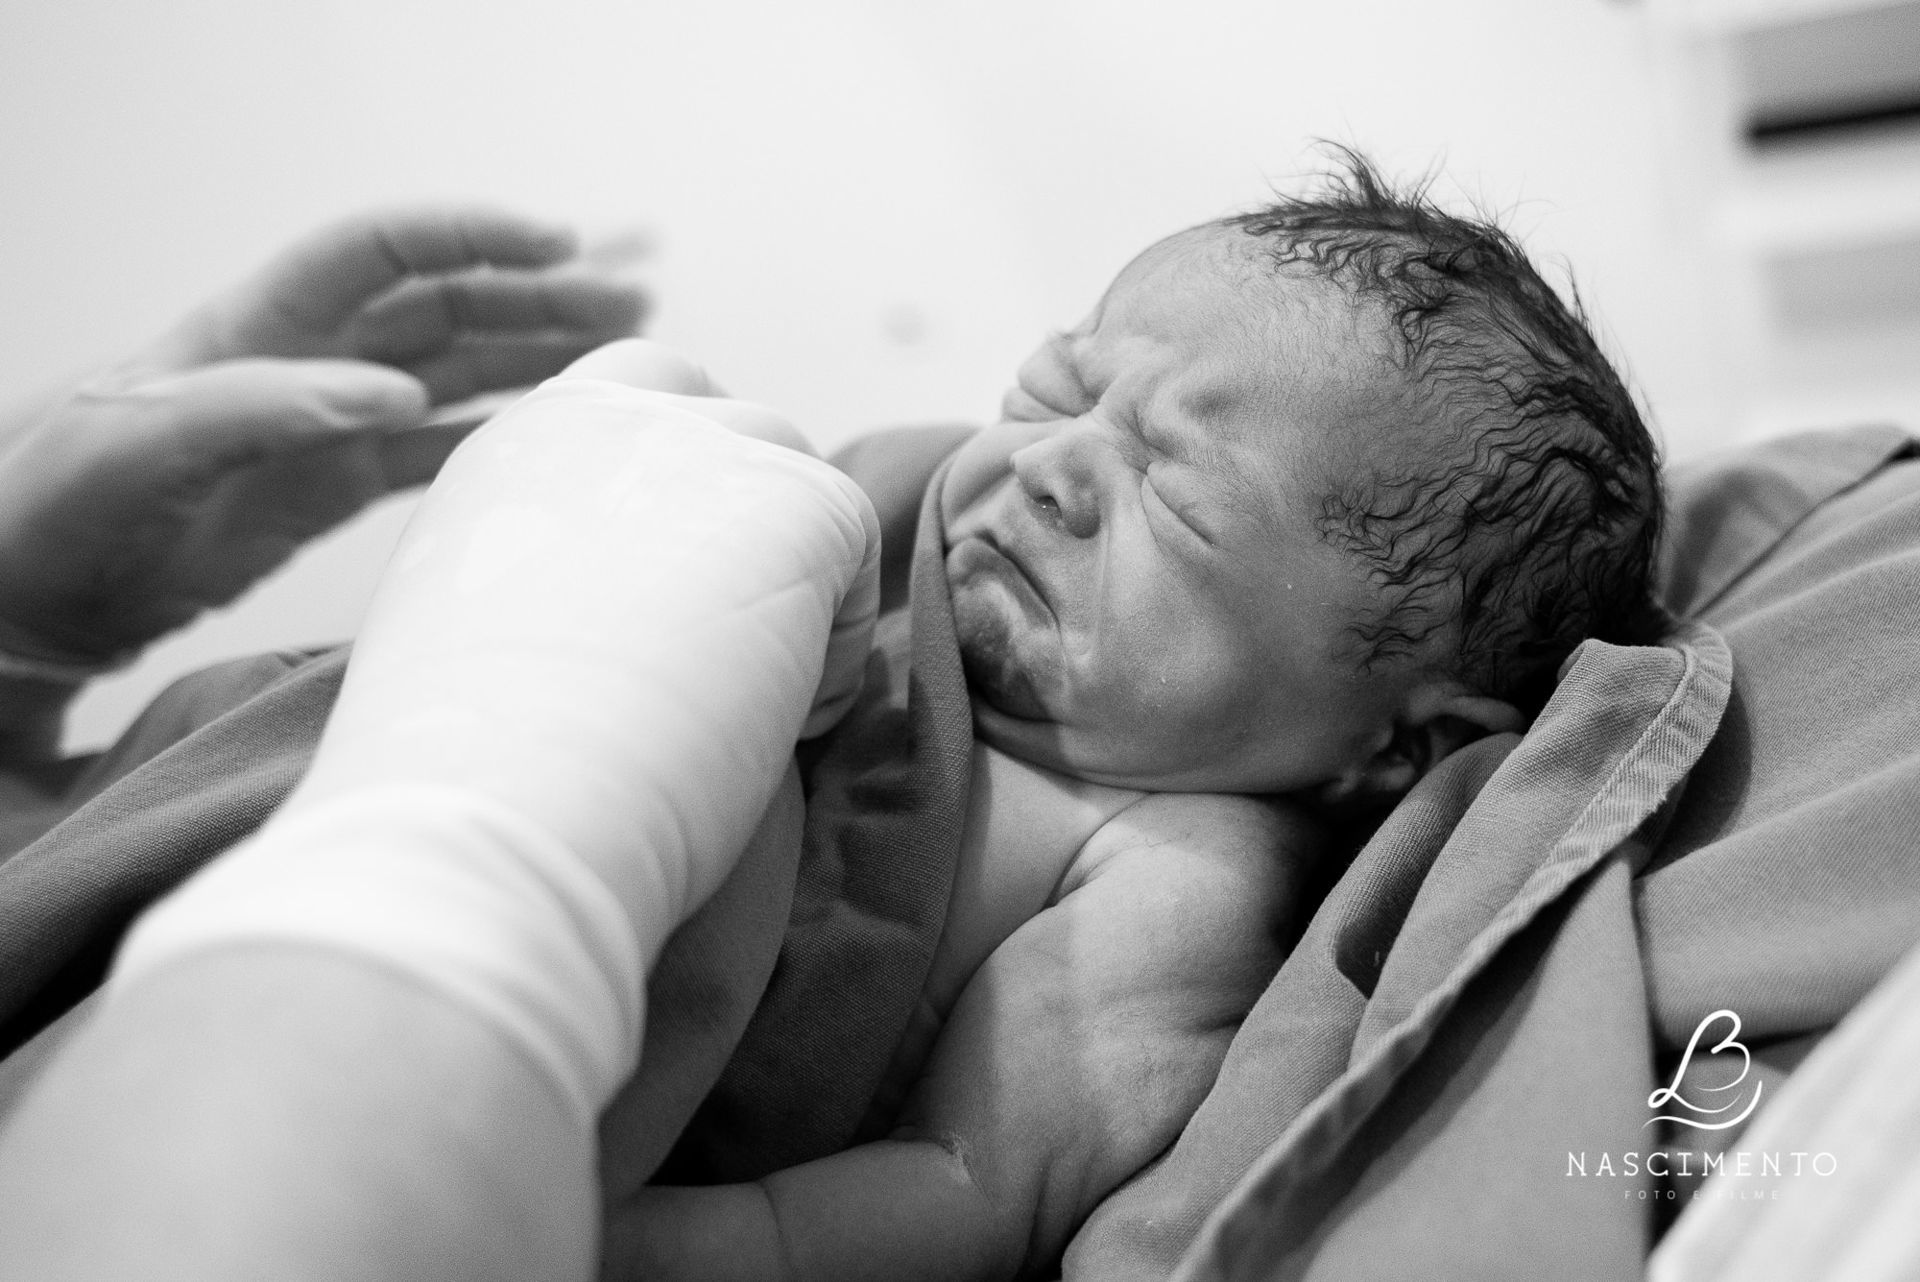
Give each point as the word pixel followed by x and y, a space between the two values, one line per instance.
pixel 1191 897
pixel 1017 796
pixel 1026 825
pixel 1036 839
pixel 1257 848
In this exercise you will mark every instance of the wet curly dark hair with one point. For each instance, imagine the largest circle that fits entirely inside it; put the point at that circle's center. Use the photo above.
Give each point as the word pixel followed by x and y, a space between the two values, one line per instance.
pixel 1527 508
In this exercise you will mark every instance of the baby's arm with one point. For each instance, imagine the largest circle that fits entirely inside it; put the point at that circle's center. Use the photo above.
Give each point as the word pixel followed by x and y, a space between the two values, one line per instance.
pixel 1075 1056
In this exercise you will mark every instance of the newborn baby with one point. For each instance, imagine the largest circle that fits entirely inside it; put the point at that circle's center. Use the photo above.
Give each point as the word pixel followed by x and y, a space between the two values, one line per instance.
pixel 1313 497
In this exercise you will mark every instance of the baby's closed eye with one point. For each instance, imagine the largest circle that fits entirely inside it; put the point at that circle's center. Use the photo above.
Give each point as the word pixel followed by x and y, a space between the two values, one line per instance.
pixel 1021 406
pixel 1046 389
pixel 1168 495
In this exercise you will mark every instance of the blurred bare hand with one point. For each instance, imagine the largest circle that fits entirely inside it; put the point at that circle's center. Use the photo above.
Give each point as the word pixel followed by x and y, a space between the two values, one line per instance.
pixel 465 300
pixel 273 413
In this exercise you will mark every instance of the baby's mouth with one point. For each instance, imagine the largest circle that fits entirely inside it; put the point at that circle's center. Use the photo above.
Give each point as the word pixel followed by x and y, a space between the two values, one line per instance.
pixel 989 553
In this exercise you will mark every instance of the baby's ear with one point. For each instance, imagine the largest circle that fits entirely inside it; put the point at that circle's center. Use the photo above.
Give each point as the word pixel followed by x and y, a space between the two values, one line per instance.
pixel 1440 718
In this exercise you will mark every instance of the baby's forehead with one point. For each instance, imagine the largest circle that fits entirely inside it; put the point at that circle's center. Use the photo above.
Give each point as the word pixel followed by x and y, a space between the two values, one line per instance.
pixel 1234 318
pixel 1282 386
pixel 1217 338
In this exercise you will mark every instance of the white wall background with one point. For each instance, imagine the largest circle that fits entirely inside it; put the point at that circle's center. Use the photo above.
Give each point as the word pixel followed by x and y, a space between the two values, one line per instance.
pixel 864 212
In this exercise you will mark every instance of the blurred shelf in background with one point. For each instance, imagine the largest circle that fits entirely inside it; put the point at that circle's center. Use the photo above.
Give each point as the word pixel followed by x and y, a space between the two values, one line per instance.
pixel 1795 139
pixel 1735 16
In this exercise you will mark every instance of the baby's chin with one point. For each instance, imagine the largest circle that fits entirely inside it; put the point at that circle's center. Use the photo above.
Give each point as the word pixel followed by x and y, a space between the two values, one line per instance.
pixel 1047 745
pixel 1144 760
pixel 989 657
pixel 1038 743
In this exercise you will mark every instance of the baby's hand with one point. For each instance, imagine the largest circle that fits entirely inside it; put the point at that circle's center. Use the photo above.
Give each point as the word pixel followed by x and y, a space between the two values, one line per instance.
pixel 1078 1052
pixel 1074 1057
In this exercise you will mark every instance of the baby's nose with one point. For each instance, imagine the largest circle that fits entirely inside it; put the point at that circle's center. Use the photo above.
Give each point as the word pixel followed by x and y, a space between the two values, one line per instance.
pixel 1059 477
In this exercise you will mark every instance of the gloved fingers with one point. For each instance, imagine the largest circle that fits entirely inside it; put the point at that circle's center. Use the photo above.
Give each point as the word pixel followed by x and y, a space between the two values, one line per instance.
pixel 676 380
pixel 501 362
pixel 851 641
pixel 645 364
pixel 616 616
pixel 234 412
pixel 422 316
pixel 743 418
pixel 321 281
pixel 415 455
pixel 655 367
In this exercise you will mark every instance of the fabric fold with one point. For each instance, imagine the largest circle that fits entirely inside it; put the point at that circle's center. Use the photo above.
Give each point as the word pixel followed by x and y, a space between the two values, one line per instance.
pixel 1325 1108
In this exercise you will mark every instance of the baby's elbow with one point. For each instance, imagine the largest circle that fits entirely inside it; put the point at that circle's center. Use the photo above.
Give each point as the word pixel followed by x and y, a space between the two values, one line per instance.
pixel 993 1228
pixel 725 1233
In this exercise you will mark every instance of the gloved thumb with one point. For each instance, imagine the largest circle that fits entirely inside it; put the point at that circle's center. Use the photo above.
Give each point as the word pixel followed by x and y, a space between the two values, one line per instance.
pixel 675 380
pixel 642 363
pixel 233 412
pixel 655 367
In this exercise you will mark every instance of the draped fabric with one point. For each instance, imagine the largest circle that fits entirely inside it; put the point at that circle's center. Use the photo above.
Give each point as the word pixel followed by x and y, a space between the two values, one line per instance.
pixel 1483 1006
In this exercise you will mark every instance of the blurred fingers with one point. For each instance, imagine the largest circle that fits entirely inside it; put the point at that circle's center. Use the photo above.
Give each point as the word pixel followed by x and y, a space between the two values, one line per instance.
pixel 322 280
pixel 235 412
pixel 422 316
pixel 413 457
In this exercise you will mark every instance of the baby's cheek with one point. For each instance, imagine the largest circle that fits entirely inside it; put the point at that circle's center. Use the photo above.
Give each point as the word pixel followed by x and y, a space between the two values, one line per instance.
pixel 1174 676
pixel 978 467
pixel 1212 688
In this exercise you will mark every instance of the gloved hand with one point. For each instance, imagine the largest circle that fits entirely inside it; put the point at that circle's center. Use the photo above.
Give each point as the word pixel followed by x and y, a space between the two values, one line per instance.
pixel 614 614
pixel 177 480
pixel 595 645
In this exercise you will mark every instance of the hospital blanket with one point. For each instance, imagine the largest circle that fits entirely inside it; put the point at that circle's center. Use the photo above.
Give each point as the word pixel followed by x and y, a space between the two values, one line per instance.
pixel 1450 1072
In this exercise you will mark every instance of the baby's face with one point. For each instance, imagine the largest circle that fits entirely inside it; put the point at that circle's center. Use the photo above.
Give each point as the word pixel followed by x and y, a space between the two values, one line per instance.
pixel 1140 592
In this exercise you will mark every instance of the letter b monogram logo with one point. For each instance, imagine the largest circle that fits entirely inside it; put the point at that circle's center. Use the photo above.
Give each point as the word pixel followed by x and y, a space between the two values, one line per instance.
pixel 1702 1115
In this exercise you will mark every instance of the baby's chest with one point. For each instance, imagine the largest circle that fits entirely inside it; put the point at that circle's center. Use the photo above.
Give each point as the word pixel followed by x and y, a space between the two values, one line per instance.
pixel 1025 825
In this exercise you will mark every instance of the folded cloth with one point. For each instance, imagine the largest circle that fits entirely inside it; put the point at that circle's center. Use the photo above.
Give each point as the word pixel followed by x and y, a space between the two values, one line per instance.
pixel 886 799
pixel 1484 1006
pixel 190 778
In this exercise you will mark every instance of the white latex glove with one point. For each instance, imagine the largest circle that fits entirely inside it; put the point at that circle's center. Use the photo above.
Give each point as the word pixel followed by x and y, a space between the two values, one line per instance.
pixel 615 615
pixel 596 645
